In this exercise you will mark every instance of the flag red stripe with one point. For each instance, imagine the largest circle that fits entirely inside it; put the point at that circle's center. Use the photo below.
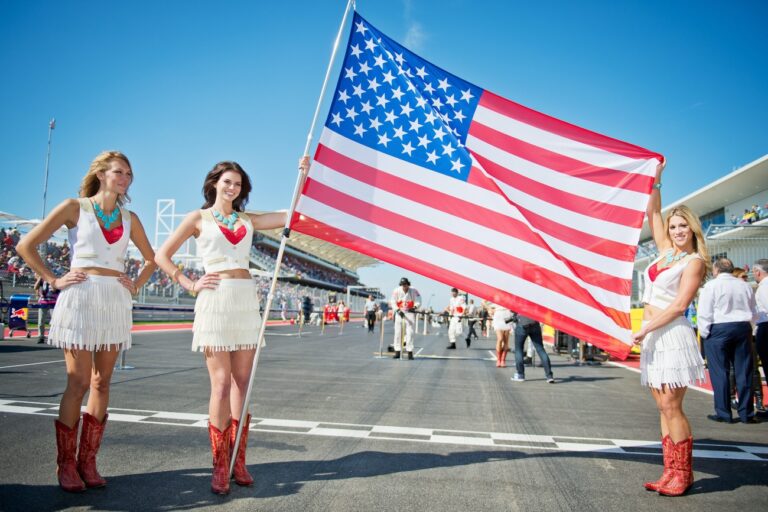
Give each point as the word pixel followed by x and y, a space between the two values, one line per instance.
pixel 544 122
pixel 601 246
pixel 312 227
pixel 553 195
pixel 468 248
pixel 464 209
pixel 557 162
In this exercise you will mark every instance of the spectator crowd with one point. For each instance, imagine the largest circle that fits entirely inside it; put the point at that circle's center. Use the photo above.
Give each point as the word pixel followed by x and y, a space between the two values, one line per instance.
pixel 751 215
pixel 12 267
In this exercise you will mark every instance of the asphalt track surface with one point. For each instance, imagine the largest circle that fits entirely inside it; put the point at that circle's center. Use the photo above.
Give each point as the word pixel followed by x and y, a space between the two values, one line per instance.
pixel 336 428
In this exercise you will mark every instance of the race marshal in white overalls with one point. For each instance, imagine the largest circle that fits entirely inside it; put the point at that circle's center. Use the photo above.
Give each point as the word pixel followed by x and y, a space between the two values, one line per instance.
pixel 456 308
pixel 404 302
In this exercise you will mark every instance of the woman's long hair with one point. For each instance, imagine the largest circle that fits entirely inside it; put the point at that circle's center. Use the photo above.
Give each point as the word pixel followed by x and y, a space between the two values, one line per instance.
pixel 699 245
pixel 90 184
pixel 209 185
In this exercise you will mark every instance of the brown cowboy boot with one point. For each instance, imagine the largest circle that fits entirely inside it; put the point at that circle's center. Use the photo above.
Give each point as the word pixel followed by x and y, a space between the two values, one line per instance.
pixel 66 446
pixel 90 440
pixel 242 477
pixel 220 449
pixel 667 474
pixel 681 463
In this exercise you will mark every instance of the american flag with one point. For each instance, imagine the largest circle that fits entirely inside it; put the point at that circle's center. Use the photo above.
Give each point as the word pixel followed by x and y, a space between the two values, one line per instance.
pixel 424 170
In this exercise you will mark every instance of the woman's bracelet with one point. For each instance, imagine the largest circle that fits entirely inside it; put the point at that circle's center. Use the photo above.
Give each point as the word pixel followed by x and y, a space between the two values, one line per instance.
pixel 192 291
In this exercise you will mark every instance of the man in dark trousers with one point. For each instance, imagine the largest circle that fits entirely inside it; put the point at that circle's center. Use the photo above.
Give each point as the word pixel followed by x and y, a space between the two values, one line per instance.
pixel 760 271
pixel 471 321
pixel 530 328
pixel 726 308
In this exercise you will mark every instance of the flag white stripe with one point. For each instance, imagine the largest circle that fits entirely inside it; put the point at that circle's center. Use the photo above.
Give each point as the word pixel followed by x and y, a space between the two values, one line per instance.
pixel 454 262
pixel 489 199
pixel 587 189
pixel 479 233
pixel 492 201
pixel 562 145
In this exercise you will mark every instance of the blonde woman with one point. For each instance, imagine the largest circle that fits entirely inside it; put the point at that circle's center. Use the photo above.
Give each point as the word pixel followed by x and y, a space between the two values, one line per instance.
pixel 503 324
pixel 227 319
pixel 670 359
pixel 92 318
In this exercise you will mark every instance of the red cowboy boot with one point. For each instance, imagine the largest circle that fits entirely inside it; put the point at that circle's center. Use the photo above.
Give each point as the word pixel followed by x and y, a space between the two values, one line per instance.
pixel 498 358
pixel 220 449
pixel 682 470
pixel 90 440
pixel 242 477
pixel 504 358
pixel 667 474
pixel 66 445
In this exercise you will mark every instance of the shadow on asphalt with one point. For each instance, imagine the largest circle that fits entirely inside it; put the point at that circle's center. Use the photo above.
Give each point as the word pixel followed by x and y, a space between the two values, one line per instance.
pixel 13 349
pixel 577 378
pixel 188 489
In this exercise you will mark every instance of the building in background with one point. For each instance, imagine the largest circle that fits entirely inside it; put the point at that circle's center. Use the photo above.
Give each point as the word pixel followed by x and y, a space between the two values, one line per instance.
pixel 734 215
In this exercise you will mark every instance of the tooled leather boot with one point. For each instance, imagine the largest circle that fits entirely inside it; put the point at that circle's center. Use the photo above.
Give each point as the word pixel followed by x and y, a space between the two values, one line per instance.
pixel 667 474
pixel 241 475
pixel 66 465
pixel 681 463
pixel 220 440
pixel 90 441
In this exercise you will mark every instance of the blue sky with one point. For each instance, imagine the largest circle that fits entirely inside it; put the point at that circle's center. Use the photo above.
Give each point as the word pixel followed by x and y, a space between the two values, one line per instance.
pixel 180 85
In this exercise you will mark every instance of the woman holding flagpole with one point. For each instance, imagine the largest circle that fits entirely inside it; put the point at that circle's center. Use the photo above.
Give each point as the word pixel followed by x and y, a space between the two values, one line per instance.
pixel 227 320
pixel 92 319
pixel 670 359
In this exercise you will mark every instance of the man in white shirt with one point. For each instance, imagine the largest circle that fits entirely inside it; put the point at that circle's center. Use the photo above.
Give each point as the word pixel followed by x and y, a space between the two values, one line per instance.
pixel 726 308
pixel 404 303
pixel 456 310
pixel 370 312
pixel 760 271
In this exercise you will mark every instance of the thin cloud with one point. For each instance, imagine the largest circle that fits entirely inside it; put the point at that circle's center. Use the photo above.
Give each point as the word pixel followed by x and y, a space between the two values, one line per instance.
pixel 415 36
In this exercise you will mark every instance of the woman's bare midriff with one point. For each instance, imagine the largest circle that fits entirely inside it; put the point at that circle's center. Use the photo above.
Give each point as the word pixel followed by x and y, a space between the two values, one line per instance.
pixel 236 273
pixel 98 271
pixel 650 312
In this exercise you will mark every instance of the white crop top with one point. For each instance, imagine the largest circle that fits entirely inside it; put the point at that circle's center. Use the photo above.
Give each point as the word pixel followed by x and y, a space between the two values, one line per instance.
pixel 662 292
pixel 217 252
pixel 90 248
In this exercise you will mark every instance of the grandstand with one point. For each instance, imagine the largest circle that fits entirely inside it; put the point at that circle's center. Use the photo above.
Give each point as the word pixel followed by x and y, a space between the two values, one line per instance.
pixel 734 215
pixel 310 267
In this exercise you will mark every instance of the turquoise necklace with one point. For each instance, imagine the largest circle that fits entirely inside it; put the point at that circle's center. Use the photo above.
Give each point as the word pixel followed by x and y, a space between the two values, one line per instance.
pixel 106 219
pixel 671 259
pixel 229 220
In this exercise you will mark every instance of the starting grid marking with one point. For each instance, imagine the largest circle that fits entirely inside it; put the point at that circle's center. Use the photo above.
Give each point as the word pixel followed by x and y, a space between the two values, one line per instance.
pixel 424 435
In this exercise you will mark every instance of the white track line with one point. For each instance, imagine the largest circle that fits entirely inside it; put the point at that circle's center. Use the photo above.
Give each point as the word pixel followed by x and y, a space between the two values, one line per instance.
pixel 32 364
pixel 625 447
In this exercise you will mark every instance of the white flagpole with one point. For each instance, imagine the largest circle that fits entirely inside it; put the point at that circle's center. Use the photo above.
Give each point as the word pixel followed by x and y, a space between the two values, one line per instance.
pixel 286 233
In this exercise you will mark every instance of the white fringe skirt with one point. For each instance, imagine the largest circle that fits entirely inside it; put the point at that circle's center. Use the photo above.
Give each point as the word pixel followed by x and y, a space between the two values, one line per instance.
pixel 93 315
pixel 500 320
pixel 227 318
pixel 670 356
